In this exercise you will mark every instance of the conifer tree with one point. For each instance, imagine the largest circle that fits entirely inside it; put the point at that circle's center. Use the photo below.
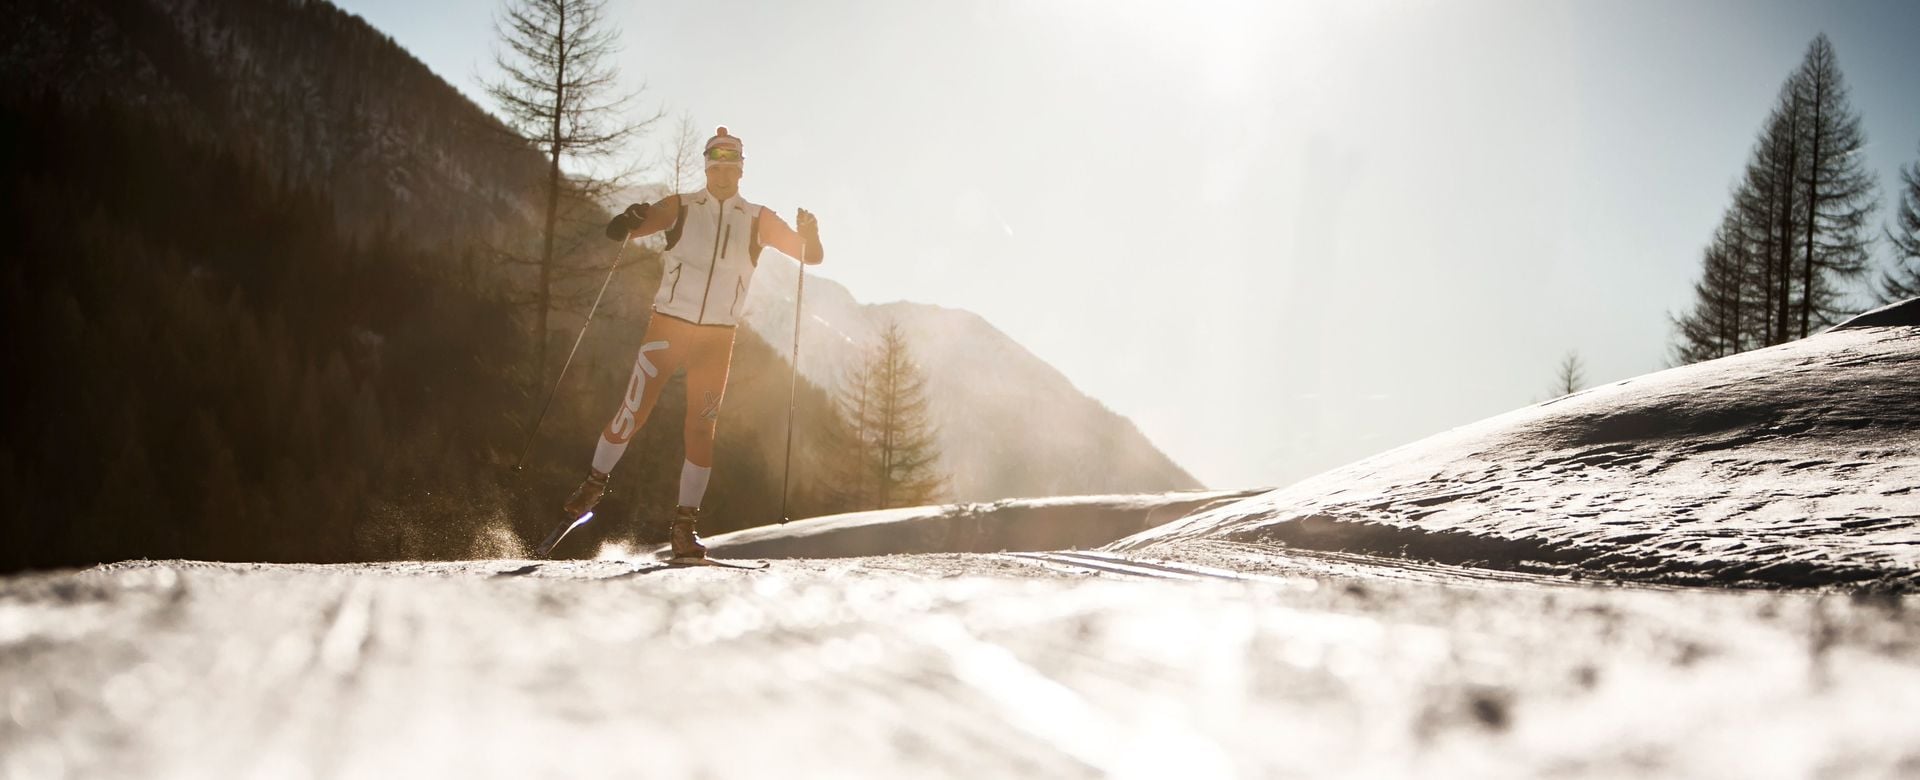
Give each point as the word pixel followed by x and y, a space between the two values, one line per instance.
pixel 854 486
pixel 1796 228
pixel 1726 309
pixel 1901 279
pixel 1571 376
pixel 895 458
pixel 1837 189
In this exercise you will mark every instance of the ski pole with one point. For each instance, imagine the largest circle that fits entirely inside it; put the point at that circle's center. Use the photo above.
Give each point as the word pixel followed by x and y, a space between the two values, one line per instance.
pixel 793 381
pixel 527 448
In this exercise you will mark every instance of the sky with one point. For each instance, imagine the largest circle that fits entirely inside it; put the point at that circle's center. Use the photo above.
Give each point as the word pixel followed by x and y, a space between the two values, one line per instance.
pixel 1278 236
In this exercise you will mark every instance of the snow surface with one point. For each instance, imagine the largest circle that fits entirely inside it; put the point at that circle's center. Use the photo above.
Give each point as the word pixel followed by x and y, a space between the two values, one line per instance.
pixel 981 665
pixel 1797 465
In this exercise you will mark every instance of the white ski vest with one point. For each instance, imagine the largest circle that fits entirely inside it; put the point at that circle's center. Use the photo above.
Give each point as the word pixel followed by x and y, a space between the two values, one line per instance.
pixel 712 250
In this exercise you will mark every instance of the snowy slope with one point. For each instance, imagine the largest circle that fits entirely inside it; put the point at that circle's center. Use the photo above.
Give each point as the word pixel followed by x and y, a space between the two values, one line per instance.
pixel 1011 425
pixel 931 666
pixel 1797 465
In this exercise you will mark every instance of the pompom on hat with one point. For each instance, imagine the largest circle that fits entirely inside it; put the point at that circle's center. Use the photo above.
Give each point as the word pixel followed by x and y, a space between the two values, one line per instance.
pixel 724 148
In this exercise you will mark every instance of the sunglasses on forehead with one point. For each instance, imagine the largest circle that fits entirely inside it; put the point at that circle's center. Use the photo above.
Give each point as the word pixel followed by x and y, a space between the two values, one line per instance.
pixel 725 154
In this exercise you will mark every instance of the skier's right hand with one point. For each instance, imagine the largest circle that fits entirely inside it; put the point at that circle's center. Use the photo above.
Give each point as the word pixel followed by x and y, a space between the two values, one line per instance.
pixel 626 222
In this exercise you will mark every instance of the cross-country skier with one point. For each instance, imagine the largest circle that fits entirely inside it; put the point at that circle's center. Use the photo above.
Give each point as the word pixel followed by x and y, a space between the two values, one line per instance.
pixel 714 238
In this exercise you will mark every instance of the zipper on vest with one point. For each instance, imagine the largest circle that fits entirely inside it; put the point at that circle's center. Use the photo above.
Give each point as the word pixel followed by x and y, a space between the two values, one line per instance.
pixel 713 265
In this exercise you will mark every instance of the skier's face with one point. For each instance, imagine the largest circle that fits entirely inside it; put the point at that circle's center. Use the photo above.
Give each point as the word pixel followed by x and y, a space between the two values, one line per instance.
pixel 723 179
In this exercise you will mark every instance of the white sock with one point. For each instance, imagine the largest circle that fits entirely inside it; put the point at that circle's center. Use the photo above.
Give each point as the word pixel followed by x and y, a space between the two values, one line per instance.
pixel 693 483
pixel 606 455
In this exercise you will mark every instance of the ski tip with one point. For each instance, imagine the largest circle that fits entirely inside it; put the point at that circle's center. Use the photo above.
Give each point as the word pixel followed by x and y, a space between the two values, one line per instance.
pixel 545 550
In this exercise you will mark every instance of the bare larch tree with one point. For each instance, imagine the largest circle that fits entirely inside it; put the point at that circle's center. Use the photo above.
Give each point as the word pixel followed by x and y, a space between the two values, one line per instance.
pixel 1570 377
pixel 1797 227
pixel 560 94
pixel 1838 191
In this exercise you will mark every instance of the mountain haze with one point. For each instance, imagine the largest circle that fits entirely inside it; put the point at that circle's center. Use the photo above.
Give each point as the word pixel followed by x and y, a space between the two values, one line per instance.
pixel 1011 425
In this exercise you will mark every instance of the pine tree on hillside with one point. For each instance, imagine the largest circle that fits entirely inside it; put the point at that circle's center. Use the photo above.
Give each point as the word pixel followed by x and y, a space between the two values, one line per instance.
pixel 895 456
pixel 1901 279
pixel 1711 330
pixel 1727 298
pixel 854 486
pixel 1770 203
pixel 557 93
pixel 1796 228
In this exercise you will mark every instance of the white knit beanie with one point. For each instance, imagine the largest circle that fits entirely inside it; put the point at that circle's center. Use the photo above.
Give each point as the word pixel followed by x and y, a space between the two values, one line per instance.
pixel 723 140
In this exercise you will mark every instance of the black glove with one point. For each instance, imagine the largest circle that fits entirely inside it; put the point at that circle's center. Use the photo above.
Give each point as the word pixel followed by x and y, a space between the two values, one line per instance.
pixel 810 233
pixel 627 222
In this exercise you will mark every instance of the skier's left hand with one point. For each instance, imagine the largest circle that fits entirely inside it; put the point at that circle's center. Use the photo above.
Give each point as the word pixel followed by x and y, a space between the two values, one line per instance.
pixel 810 233
pixel 627 222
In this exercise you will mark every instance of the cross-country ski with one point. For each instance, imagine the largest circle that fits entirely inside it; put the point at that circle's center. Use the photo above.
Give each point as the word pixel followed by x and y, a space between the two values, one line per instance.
pixel 713 562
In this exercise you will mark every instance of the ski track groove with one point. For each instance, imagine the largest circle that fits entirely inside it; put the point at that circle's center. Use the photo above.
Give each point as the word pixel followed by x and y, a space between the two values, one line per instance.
pixel 1301 561
pixel 1099 567
pixel 1110 563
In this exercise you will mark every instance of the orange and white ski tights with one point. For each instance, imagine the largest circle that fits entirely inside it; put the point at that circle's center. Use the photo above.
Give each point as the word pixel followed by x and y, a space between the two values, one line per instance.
pixel 670 344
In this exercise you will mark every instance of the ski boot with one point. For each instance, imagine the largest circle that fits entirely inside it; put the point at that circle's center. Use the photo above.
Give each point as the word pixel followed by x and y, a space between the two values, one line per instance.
pixel 575 511
pixel 587 496
pixel 685 541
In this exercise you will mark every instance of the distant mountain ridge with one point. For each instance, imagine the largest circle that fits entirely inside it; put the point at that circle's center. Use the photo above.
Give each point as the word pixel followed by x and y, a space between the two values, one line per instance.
pixel 1012 426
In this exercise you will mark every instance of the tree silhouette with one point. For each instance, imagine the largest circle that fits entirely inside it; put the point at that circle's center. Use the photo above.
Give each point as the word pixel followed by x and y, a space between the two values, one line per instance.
pixel 1796 229
pixel 1726 303
pixel 1838 190
pixel 894 458
pixel 1571 375
pixel 1900 280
